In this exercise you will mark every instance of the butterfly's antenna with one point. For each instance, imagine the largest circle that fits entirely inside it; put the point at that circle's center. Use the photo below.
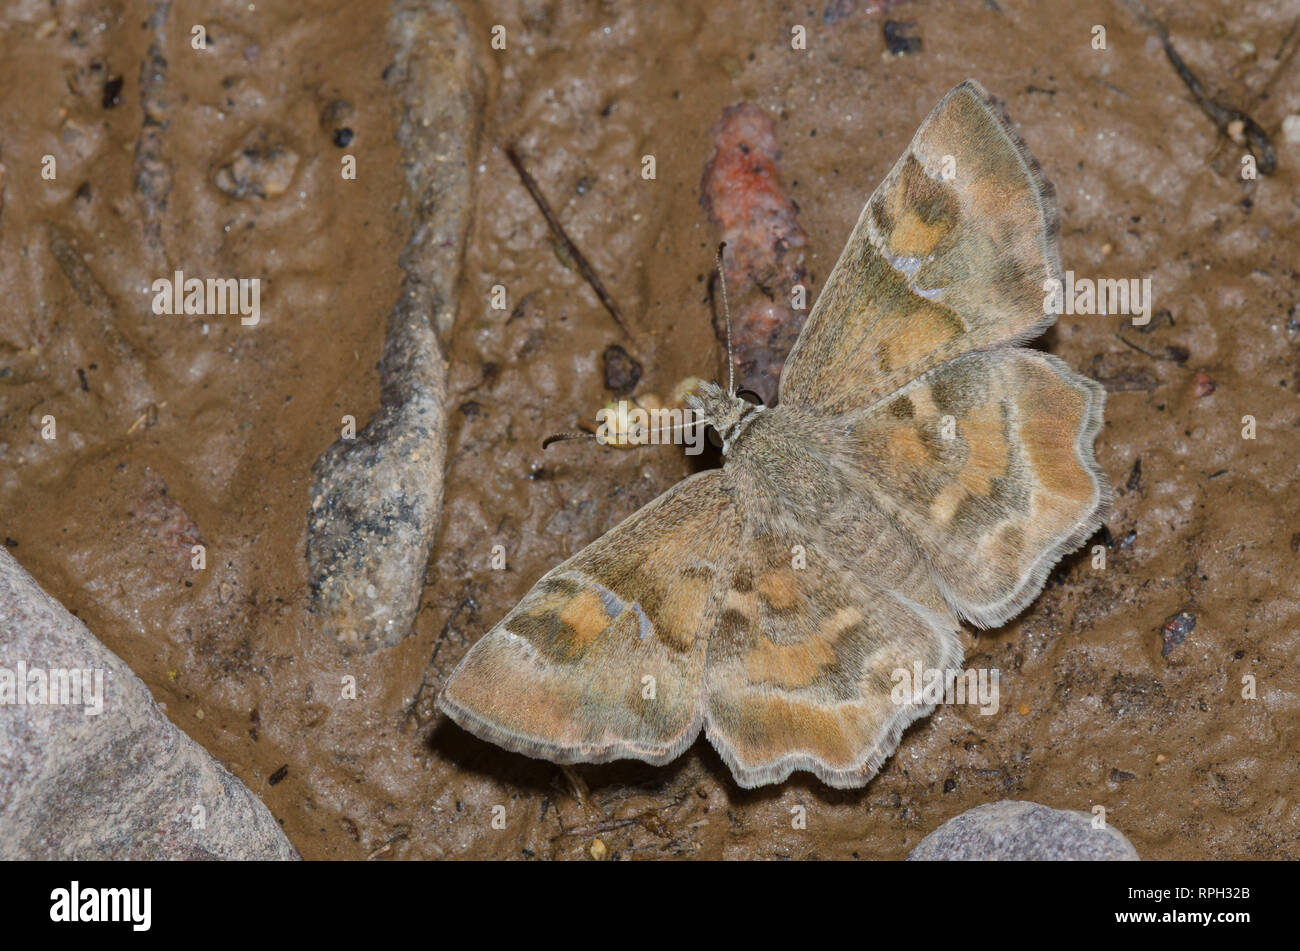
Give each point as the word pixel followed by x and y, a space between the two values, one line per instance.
pixel 726 310
pixel 560 437
pixel 637 431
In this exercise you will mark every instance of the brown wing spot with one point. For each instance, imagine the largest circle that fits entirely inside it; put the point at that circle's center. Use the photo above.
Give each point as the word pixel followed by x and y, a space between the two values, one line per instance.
pixel 989 454
pixel 921 333
pixel 733 624
pixel 880 217
pixel 907 445
pixel 946 396
pixel 682 615
pixel 926 211
pixel 585 617
pixel 762 727
pixel 780 589
pixel 1049 445
pixel 560 587
pixel 902 408
pixel 791 666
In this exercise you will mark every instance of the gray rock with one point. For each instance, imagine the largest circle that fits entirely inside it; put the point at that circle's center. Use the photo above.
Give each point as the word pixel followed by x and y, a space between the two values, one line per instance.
pixel 376 499
pixel 123 783
pixel 1011 831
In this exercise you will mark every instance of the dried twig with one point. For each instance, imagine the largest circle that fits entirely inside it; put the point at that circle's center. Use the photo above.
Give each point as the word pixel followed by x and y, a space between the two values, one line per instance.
pixel 1223 116
pixel 584 268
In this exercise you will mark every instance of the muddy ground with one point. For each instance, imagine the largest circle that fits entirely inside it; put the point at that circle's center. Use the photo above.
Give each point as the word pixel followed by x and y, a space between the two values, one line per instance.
pixel 176 430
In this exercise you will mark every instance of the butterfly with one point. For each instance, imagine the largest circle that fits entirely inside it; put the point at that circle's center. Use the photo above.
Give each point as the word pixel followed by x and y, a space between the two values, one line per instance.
pixel 919 468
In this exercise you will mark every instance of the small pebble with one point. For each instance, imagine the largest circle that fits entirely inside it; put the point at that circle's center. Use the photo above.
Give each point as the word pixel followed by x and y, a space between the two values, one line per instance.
pixel 1204 385
pixel 1175 631
pixel 900 38
pixel 112 93
pixel 1291 129
pixel 622 372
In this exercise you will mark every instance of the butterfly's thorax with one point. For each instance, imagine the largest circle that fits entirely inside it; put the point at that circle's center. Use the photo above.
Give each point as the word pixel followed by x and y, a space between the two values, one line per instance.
pixel 789 458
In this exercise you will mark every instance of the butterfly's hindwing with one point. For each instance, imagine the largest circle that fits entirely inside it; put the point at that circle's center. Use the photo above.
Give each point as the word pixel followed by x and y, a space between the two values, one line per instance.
pixel 801 667
pixel 987 464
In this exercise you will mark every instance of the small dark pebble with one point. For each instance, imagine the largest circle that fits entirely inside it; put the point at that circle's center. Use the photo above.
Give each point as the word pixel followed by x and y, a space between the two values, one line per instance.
pixel 899 39
pixel 1176 630
pixel 81 375
pixel 343 137
pixel 278 775
pixel 470 409
pixel 83 192
pixel 1293 319
pixel 10 542
pixel 622 373
pixel 112 92
pixel 949 785
pixel 1121 776
pixel 1134 483
pixel 1129 537
pixel 1238 655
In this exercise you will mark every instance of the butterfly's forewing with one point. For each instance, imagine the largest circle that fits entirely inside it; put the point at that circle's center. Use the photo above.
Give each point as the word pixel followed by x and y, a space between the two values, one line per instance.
pixel 604 658
pixel 949 255
pixel 987 464
pixel 802 667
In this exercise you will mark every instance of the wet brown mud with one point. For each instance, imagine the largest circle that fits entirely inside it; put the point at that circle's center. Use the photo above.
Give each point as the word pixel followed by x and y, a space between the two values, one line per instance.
pixel 176 428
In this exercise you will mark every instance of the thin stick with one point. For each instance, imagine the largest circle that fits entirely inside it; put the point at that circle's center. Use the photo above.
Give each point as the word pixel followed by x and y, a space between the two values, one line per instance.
pixel 1221 114
pixel 585 269
pixel 726 309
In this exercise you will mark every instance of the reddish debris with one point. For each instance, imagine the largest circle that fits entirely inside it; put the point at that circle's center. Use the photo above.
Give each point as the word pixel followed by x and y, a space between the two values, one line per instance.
pixel 164 519
pixel 1204 385
pixel 741 191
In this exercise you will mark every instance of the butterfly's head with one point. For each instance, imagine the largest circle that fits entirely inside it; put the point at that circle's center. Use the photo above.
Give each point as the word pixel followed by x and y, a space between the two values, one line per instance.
pixel 727 413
